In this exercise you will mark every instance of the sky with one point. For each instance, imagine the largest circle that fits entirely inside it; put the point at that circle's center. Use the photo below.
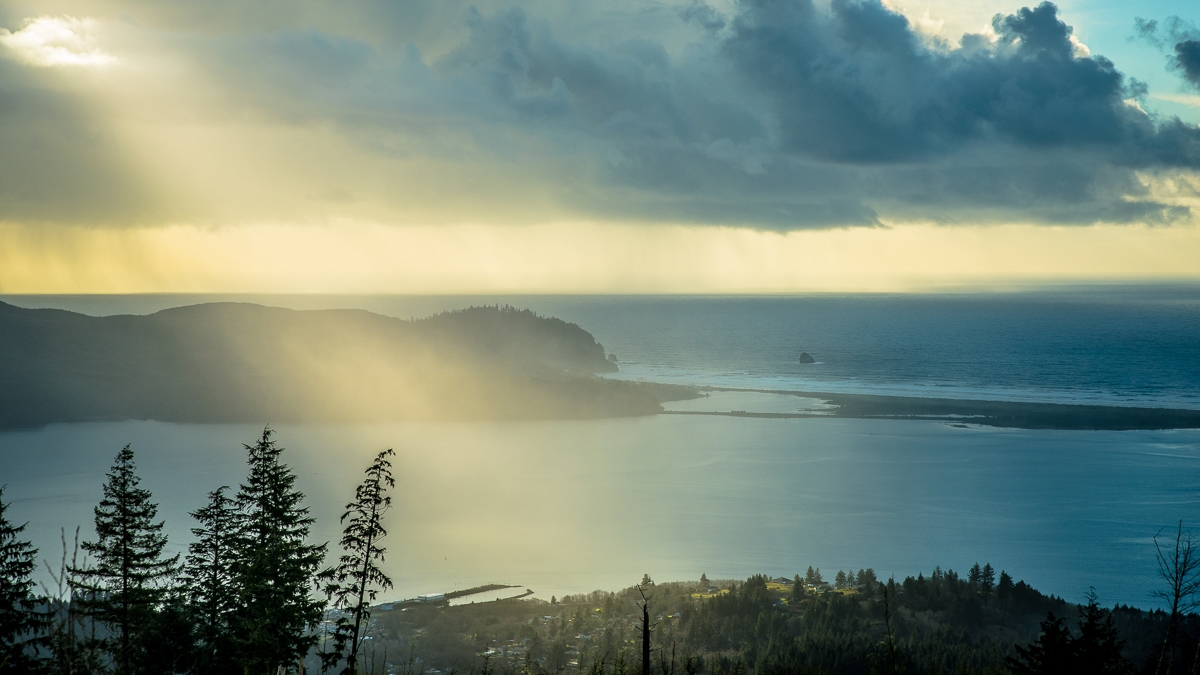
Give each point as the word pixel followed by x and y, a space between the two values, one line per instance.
pixel 576 147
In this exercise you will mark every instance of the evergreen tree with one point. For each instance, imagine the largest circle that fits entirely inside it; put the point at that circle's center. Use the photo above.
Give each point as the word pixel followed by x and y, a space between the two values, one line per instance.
pixel 987 578
pixel 839 580
pixel 812 576
pixel 172 638
pixel 975 575
pixel 1098 649
pixel 130 575
pixel 276 569
pixel 866 580
pixel 1005 586
pixel 20 624
pixel 357 577
pixel 1052 653
pixel 798 591
pixel 209 582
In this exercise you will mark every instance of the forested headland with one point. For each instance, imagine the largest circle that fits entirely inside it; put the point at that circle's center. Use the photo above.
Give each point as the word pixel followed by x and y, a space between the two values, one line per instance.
pixel 255 595
pixel 239 362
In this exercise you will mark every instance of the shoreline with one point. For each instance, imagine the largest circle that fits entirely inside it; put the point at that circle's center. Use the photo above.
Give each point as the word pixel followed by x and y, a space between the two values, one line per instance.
pixel 1002 414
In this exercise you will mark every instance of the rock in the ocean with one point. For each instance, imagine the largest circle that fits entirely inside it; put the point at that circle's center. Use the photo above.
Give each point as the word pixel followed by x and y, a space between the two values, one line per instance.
pixel 805 357
pixel 612 357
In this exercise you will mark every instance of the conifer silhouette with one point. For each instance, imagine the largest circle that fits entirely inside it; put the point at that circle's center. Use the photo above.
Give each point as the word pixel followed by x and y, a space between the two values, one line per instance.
pixel 209 582
pixel 276 569
pixel 1051 654
pixel 357 578
pixel 21 625
pixel 1098 648
pixel 130 576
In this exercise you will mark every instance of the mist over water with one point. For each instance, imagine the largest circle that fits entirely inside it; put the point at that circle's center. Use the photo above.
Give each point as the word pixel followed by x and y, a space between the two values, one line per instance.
pixel 570 506
pixel 1111 345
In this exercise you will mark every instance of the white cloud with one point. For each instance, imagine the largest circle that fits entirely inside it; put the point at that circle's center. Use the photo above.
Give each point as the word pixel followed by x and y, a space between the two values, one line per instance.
pixel 927 25
pixel 1133 103
pixel 1185 99
pixel 57 41
pixel 1080 50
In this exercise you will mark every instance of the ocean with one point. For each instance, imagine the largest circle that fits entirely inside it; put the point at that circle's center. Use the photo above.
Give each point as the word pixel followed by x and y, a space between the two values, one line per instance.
pixel 571 506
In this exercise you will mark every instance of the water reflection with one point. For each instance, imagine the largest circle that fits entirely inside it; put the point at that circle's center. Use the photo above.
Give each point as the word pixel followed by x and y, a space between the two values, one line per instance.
pixel 573 506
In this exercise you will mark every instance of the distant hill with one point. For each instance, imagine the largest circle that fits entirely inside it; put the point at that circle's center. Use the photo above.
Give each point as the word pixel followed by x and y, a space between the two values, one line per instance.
pixel 240 362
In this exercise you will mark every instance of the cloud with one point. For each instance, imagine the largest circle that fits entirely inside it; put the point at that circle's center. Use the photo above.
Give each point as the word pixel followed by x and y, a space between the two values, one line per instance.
pixel 1186 99
pixel 1187 58
pixel 776 114
pixel 57 41
pixel 1177 36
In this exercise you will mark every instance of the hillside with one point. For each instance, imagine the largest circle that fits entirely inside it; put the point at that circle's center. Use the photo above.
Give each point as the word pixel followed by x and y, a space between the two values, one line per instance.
pixel 939 624
pixel 235 362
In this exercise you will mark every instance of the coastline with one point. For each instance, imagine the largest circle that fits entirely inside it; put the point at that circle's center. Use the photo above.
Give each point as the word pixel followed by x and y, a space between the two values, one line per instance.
pixel 1003 414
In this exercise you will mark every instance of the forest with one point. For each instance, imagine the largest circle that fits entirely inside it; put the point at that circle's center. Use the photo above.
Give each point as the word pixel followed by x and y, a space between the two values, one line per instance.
pixel 253 595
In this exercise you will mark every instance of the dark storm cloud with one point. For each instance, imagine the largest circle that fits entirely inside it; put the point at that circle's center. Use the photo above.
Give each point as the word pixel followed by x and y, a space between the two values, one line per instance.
pixel 1187 57
pixel 861 87
pixel 781 115
pixel 794 107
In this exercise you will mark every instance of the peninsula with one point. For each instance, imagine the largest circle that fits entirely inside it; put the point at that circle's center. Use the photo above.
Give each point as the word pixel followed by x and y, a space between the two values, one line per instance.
pixel 240 362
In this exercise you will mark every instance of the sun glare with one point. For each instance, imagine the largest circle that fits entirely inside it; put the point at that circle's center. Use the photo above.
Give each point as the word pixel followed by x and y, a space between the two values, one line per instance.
pixel 57 41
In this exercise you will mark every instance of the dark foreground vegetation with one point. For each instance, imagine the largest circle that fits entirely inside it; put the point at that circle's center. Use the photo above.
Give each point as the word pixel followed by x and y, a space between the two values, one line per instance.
pixel 239 362
pixel 941 623
pixel 254 596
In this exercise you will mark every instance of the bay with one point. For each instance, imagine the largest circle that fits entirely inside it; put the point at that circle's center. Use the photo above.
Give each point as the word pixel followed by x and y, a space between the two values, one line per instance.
pixel 573 506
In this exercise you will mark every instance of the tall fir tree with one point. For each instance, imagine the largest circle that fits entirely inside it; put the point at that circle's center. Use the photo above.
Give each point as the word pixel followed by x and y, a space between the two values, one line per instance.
pixel 1098 647
pixel 1005 586
pixel 276 570
pixel 975 575
pixel 209 581
pixel 357 578
pixel 812 576
pixel 987 578
pixel 21 625
pixel 130 575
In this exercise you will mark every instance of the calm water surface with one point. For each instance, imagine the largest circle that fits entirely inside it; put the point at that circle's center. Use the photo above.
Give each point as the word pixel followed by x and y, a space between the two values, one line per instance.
pixel 573 506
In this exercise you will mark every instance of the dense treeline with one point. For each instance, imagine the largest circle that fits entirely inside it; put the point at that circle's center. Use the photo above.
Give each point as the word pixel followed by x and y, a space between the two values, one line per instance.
pixel 940 623
pixel 251 596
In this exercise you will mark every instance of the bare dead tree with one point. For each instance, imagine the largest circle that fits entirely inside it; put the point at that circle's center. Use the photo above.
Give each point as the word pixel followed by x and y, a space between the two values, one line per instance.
pixel 71 651
pixel 1179 569
pixel 662 660
pixel 646 627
